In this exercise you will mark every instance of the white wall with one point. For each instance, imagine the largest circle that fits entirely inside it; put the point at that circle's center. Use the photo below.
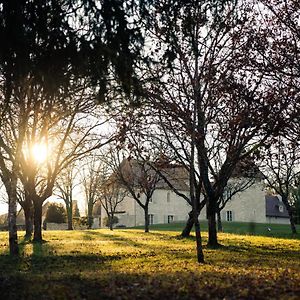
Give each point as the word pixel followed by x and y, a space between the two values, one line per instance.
pixel 247 206
pixel 160 208
pixel 277 220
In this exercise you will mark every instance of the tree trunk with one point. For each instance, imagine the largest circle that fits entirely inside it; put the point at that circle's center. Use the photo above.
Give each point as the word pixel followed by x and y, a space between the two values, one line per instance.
pixel 220 225
pixel 111 220
pixel 12 217
pixel 37 236
pixel 189 225
pixel 212 225
pixel 70 215
pixel 290 212
pixel 200 255
pixel 90 216
pixel 28 213
pixel 146 219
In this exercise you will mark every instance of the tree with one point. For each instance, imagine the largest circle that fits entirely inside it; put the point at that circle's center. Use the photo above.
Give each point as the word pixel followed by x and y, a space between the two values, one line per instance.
pixel 111 194
pixel 56 213
pixel 275 36
pixel 204 94
pixel 110 221
pixel 135 174
pixel 296 201
pixel 44 49
pixel 279 162
pixel 65 185
pixel 56 124
pixel 27 205
pixel 92 179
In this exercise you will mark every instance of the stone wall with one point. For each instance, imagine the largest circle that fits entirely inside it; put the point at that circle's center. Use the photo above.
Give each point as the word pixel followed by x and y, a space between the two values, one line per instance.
pixel 247 206
pixel 57 226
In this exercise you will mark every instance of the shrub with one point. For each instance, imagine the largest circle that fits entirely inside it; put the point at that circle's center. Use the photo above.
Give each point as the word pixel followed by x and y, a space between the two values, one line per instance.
pixel 56 213
pixel 114 221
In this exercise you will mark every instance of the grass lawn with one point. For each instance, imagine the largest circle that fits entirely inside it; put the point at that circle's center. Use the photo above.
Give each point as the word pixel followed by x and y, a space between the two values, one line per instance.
pixel 275 230
pixel 129 264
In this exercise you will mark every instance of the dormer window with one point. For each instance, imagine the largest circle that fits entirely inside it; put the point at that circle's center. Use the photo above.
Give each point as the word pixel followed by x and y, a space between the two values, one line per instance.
pixel 280 207
pixel 168 197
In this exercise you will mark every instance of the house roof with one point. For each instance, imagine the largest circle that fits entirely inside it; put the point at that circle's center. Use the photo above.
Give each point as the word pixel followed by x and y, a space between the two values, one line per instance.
pixel 275 207
pixel 177 175
pixel 247 168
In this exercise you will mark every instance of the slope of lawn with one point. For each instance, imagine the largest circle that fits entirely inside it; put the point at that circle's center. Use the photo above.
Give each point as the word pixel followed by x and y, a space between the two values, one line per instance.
pixel 269 230
pixel 129 264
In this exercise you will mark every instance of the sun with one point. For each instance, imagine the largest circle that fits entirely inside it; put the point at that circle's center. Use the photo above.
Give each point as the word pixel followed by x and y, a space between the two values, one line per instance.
pixel 39 152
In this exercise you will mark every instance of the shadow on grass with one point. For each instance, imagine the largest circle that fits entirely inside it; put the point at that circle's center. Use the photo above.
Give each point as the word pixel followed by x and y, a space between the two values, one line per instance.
pixel 138 285
pixel 115 238
pixel 265 252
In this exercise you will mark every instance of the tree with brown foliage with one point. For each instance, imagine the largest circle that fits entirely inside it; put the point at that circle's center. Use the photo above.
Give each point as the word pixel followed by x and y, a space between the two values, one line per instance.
pixel 205 95
pixel 280 165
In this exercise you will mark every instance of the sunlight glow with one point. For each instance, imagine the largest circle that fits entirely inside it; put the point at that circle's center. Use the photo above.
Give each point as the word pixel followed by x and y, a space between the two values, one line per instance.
pixel 39 152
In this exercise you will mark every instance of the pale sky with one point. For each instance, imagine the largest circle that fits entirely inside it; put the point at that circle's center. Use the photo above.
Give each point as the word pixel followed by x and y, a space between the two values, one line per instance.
pixel 81 204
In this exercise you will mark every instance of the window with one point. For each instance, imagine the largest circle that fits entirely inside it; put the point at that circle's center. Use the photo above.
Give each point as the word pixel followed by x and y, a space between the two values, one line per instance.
pixel 280 208
pixel 229 215
pixel 150 200
pixel 170 219
pixel 168 197
pixel 151 217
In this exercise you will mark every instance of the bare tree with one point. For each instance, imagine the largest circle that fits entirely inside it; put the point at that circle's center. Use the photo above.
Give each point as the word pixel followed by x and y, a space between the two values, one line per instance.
pixel 206 94
pixel 234 187
pixel 27 205
pixel 57 132
pixel 92 178
pixel 65 185
pixel 280 164
pixel 49 55
pixel 112 195
pixel 135 174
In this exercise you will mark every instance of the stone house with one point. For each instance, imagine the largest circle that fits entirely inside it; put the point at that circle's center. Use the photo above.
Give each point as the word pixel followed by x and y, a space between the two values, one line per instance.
pixel 250 205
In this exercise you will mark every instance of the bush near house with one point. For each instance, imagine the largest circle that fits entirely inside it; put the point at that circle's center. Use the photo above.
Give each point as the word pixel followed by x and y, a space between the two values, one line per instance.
pixel 56 213
pixel 114 221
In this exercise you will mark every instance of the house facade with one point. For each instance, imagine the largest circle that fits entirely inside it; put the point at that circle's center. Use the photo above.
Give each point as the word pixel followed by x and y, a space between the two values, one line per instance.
pixel 164 207
pixel 249 205
pixel 246 206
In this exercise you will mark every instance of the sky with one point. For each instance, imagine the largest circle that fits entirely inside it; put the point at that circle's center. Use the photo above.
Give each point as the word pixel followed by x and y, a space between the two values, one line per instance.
pixel 81 204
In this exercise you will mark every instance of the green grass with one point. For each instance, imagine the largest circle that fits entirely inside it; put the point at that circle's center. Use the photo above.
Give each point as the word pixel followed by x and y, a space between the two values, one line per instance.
pixel 130 264
pixel 277 230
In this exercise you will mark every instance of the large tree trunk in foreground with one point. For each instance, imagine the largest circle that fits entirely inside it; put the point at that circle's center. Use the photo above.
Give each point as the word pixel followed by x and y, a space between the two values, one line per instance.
pixel 70 216
pixel 27 206
pixel 28 213
pixel 220 225
pixel 200 255
pixel 146 219
pixel 12 217
pixel 212 225
pixel 37 236
pixel 189 225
